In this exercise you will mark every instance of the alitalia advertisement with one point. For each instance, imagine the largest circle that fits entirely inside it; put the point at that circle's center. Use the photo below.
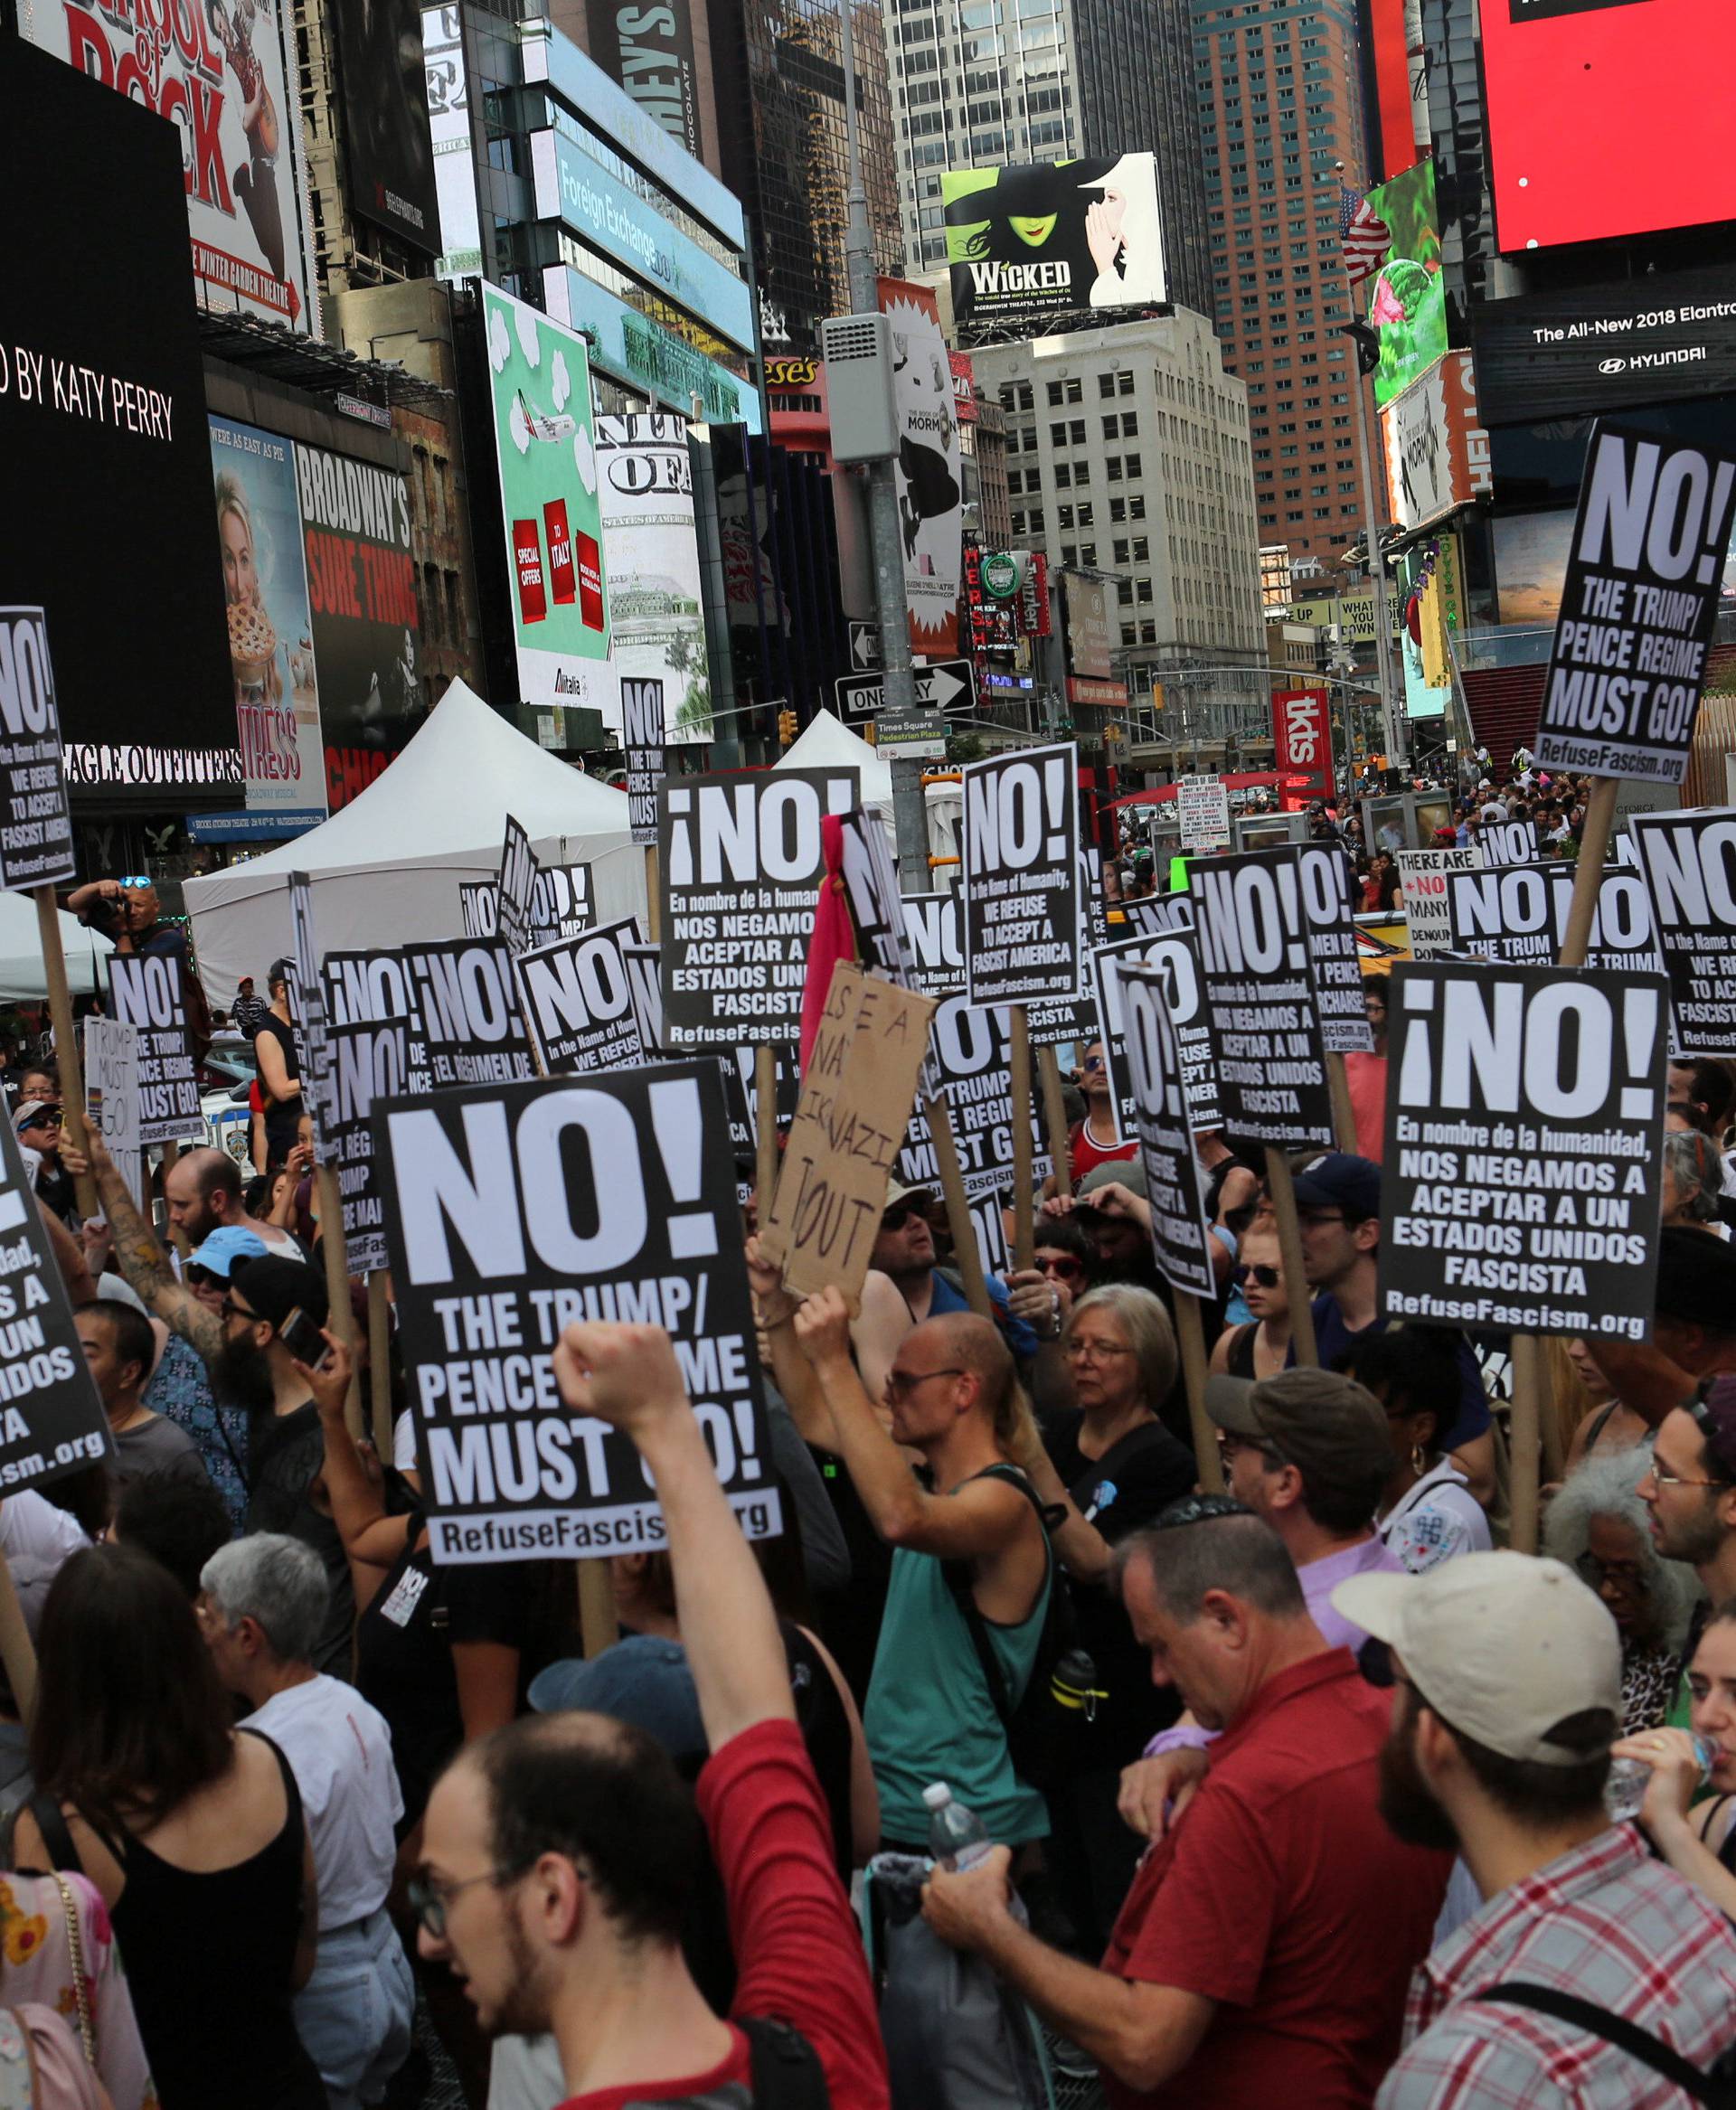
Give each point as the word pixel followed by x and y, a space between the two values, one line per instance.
pixel 545 446
pixel 1045 238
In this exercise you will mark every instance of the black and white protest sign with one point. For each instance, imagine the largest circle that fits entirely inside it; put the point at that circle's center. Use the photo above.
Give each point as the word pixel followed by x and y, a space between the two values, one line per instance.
pixel 560 903
pixel 1644 572
pixel 148 992
pixel 1334 963
pixel 972 1054
pixel 370 1061
pixel 309 998
pixel 513 889
pixel 578 999
pixel 1176 957
pixel 937 943
pixel 52 1421
pixel 35 821
pixel 1518 913
pixel 1524 1113
pixel 517 1209
pixel 111 1085
pixel 741 862
pixel 1022 878
pixel 1074 1019
pixel 645 972
pixel 1422 876
pixel 642 742
pixel 472 1025
pixel 1253 935
pixel 876 908
pixel 1688 863
pixel 376 988
pixel 1504 843
pixel 1174 1184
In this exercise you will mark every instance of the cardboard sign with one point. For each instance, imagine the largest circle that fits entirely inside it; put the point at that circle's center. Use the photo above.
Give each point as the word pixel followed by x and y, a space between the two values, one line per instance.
pixel 931 922
pixel 741 862
pixel 578 999
pixel 642 742
pixel 1519 913
pixel 1176 958
pixel 467 1002
pixel 1644 572
pixel 147 992
pixel 1688 863
pixel 1022 878
pixel 561 904
pixel 1525 1111
pixel 308 1001
pixel 857 1092
pixel 1253 931
pixel 876 908
pixel 52 1421
pixel 973 1066
pixel 515 1209
pixel 1334 963
pixel 1180 1239
pixel 1422 875
pixel 513 888
pixel 111 1085
pixel 370 1061
pixel 1202 808
pixel 36 821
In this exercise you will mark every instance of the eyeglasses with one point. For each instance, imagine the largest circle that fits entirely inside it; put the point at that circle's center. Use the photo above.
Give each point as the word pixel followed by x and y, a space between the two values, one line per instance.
pixel 49 1120
pixel 1665 1479
pixel 1245 1273
pixel 232 1310
pixel 200 1278
pixel 902 1383
pixel 1198 1509
pixel 1094 1351
pixel 1322 1216
pixel 1625 1574
pixel 1062 1264
pixel 429 1900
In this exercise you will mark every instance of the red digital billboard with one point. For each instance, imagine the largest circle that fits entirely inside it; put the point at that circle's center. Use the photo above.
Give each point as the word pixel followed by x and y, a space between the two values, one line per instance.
pixel 1608 116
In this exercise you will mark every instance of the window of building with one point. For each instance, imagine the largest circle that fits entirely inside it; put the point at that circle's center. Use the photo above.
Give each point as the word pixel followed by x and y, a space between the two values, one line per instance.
pixel 1087 514
pixel 1124 384
pixel 1124 593
pixel 1064 475
pixel 1136 506
pixel 1110 431
pixel 1106 382
pixel 1063 516
pixel 1134 469
pixel 1118 509
pixel 1054 393
pixel 1068 553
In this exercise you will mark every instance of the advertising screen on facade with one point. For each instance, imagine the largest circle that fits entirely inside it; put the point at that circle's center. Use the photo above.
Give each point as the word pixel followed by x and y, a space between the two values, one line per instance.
pixel 650 52
pixel 1045 238
pixel 930 468
pixel 1406 299
pixel 651 553
pixel 386 140
pixel 1608 116
pixel 447 86
pixel 1437 451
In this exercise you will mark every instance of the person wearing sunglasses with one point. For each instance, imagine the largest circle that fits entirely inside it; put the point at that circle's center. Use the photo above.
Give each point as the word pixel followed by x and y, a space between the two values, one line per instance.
pixel 1260 1347
pixel 128 912
pixel 1097 1140
pixel 904 1251
pixel 37 1128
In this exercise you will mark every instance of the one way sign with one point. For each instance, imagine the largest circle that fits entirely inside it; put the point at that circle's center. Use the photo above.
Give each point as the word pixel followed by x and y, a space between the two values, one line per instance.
pixel 950 684
pixel 864 647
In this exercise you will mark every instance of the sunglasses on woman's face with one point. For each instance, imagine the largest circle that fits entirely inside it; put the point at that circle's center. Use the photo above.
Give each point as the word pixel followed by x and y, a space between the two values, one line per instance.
pixel 1062 1265
pixel 1267 1278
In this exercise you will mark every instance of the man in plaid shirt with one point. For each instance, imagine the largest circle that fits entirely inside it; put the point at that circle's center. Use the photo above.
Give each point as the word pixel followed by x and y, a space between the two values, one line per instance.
pixel 1509 1691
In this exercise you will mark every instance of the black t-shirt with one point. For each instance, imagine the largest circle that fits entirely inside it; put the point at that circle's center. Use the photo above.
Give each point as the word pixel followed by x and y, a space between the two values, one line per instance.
pixel 282 1117
pixel 286 1453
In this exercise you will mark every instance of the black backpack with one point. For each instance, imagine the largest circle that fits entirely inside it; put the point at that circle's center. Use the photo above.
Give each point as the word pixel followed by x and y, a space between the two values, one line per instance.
pixel 1041 1732
pixel 786 2070
pixel 1716 2085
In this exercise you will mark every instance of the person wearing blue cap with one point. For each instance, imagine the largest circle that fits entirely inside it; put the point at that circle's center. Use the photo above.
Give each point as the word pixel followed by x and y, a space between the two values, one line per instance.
pixel 206 1268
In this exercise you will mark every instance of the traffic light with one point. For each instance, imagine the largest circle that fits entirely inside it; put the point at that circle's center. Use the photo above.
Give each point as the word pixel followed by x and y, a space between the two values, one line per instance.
pixel 787 727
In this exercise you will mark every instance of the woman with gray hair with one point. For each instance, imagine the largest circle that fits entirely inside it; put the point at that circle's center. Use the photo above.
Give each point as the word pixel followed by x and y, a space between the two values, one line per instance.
pixel 1693 1181
pixel 1599 1526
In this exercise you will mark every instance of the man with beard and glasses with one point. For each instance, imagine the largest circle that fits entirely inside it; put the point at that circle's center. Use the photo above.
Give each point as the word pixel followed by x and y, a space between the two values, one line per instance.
pixel 1509 1692
pixel 1691 1491
pixel 1263 1951
pixel 249 1368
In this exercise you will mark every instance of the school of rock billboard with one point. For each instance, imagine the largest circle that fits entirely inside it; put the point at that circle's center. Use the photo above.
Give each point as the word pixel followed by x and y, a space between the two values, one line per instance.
pixel 1040 239
pixel 929 467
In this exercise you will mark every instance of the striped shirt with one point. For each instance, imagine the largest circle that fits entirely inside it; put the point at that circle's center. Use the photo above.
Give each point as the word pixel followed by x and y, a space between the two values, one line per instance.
pixel 1605 1922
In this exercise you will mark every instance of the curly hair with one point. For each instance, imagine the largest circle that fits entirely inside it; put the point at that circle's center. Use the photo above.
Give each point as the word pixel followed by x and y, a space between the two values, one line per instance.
pixel 1606 1485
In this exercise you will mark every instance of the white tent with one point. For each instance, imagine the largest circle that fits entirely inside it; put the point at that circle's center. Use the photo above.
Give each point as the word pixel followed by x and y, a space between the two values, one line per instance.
pixel 828 744
pixel 21 952
pixel 386 869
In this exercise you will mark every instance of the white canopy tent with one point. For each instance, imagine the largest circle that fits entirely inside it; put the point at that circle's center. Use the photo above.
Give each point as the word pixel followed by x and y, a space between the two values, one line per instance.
pixel 826 743
pixel 386 868
pixel 21 953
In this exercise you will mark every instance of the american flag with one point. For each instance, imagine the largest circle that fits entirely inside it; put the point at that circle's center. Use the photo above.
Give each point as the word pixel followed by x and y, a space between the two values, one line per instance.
pixel 1364 238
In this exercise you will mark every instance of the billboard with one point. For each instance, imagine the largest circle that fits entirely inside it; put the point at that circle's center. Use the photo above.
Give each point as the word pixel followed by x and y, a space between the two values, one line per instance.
pixel 216 72
pixel 651 553
pixel 387 143
pixel 650 52
pixel 1405 302
pixel 1090 637
pixel 1302 747
pixel 107 527
pixel 930 468
pixel 540 382
pixel 1437 451
pixel 270 624
pixel 1531 555
pixel 1566 82
pixel 629 345
pixel 447 85
pixel 1591 348
pixel 1045 238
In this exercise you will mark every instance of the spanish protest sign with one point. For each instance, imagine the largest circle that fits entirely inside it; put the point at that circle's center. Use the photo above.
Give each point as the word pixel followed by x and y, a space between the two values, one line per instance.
pixel 472 1027
pixel 370 1061
pixel 1176 956
pixel 36 820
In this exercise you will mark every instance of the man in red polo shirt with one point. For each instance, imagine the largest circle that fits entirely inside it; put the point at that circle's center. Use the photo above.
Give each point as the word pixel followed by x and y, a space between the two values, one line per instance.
pixel 1264 1951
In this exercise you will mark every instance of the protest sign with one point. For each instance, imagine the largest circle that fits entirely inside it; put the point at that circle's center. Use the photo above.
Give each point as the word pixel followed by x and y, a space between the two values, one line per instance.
pixel 513 889
pixel 740 860
pixel 370 1061
pixel 857 1092
pixel 560 903
pixel 1688 863
pixel 578 999
pixel 1165 1126
pixel 973 1066
pixel 35 821
pixel 1074 1018
pixel 111 1085
pixel 645 972
pixel 1519 913
pixel 472 1027
pixel 1021 877
pixel 515 1211
pixel 147 993
pixel 1507 842
pixel 1524 1110
pixel 375 988
pixel 876 908
pixel 1202 809
pixel 52 1421
pixel 1422 875
pixel 1646 569
pixel 642 742
pixel 1175 956
pixel 309 1003
pixel 937 943
pixel 1259 996
pixel 1334 964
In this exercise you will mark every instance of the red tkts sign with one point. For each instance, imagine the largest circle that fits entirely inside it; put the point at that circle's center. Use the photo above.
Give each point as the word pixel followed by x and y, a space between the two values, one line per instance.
pixel 1302 738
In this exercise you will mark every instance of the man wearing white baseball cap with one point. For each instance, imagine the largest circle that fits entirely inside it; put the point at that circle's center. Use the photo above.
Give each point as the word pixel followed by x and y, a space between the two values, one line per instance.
pixel 1509 1692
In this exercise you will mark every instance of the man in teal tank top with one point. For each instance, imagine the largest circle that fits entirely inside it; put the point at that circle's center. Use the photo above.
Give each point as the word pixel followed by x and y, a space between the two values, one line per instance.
pixel 953 1396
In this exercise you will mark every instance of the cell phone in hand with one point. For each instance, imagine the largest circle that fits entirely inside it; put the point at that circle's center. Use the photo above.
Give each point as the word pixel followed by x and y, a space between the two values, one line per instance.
pixel 303 1339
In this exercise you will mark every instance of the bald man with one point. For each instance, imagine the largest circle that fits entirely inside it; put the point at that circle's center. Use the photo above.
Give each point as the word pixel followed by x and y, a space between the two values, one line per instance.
pixel 970 1553
pixel 203 1191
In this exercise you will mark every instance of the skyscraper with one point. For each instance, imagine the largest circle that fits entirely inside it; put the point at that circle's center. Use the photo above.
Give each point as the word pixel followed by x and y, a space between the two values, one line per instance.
pixel 1279 104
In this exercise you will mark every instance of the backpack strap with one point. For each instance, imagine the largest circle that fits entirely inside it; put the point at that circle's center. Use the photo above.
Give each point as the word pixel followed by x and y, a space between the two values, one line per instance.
pixel 1625 2036
pixel 958 1576
pixel 786 2070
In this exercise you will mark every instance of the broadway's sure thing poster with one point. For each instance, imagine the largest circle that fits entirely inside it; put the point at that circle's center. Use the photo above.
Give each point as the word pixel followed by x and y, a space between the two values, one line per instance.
pixel 1688 861
pixel 651 554
pixel 515 1211
pixel 1046 238
pixel 1646 569
pixel 148 992
pixel 1520 1189
pixel 1021 868
pixel 36 820
pixel 930 468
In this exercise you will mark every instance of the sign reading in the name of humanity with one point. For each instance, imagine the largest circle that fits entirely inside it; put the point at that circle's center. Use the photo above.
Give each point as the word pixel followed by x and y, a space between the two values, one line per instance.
pixel 1524 1113
pixel 149 994
pixel 36 821
pixel 1688 863
pixel 1164 1124
pixel 642 742
pixel 560 903
pixel 1518 913
pixel 370 1061
pixel 741 861
pixel 1021 877
pixel 516 1210
pixel 472 1027
pixel 1422 876
pixel 111 1085
pixel 937 943
pixel 579 1001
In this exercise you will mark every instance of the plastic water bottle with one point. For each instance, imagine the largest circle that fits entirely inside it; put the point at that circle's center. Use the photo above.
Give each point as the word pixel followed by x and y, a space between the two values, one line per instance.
pixel 956 1839
pixel 1630 1777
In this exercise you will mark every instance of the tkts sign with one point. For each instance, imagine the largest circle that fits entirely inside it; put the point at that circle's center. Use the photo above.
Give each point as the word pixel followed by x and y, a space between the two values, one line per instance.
pixel 1302 741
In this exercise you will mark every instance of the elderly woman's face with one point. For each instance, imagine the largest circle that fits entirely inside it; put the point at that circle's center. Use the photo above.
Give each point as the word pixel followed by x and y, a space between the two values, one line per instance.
pixel 1614 1563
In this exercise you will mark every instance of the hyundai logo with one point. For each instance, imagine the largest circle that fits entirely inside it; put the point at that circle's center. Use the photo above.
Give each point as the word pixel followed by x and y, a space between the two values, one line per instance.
pixel 1611 365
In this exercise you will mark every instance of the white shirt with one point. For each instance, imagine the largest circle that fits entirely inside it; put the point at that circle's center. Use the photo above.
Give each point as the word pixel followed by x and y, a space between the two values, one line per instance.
pixel 339 1750
pixel 31 1528
pixel 1435 1520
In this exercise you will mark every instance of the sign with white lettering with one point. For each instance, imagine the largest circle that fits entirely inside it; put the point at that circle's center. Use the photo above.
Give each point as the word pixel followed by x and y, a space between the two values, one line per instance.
pixel 642 742
pixel 1688 863
pixel 369 1061
pixel 35 821
pixel 147 992
pixel 1180 1239
pixel 1021 877
pixel 1518 913
pixel 577 995
pixel 472 1026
